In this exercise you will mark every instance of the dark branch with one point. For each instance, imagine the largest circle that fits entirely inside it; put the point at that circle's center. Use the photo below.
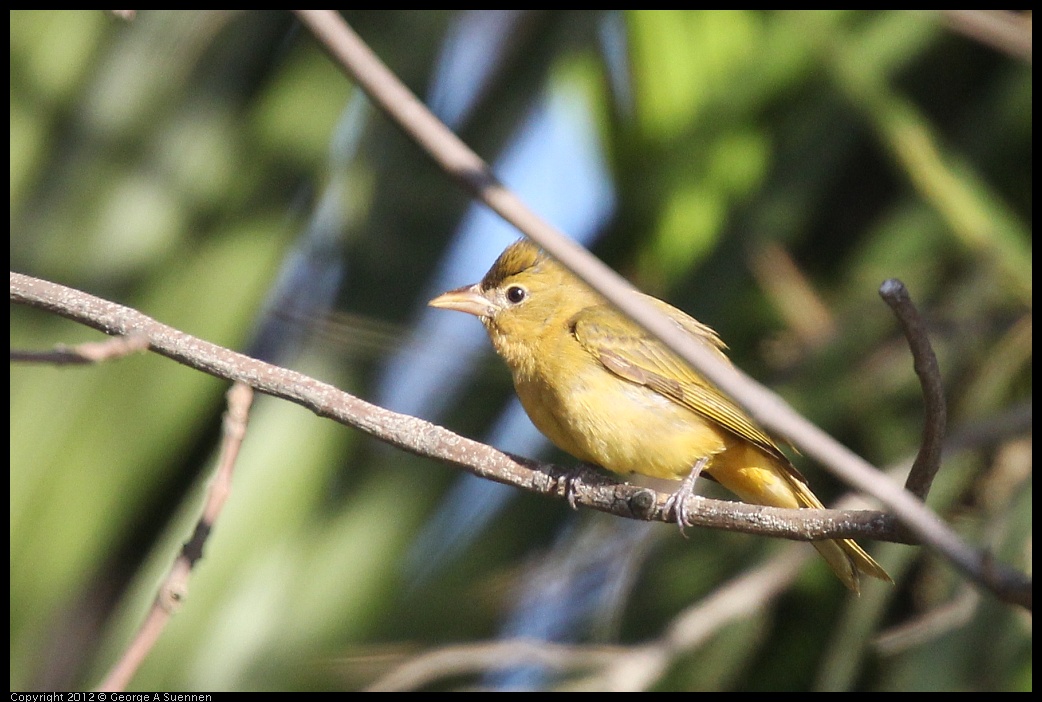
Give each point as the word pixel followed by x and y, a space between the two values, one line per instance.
pixel 928 460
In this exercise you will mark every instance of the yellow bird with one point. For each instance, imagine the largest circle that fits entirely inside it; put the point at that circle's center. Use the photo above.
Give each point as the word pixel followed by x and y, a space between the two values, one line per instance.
pixel 604 390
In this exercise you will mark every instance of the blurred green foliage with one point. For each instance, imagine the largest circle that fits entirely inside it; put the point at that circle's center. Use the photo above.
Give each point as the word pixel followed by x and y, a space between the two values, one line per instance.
pixel 771 169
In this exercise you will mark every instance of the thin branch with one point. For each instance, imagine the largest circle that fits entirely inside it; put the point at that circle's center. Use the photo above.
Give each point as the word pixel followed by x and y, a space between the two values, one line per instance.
pixel 420 437
pixel 460 659
pixel 82 354
pixel 387 92
pixel 939 621
pixel 611 668
pixel 1005 30
pixel 735 600
pixel 174 590
pixel 928 460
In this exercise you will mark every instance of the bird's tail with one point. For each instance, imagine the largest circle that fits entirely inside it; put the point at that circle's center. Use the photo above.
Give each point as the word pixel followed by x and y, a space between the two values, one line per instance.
pixel 846 559
pixel 764 480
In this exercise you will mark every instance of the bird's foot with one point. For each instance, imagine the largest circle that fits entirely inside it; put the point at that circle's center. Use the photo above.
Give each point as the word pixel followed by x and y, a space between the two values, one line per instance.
pixel 677 502
pixel 575 477
pixel 571 479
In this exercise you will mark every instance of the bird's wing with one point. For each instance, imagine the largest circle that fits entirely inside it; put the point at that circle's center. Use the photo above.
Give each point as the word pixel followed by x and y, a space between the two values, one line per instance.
pixel 629 352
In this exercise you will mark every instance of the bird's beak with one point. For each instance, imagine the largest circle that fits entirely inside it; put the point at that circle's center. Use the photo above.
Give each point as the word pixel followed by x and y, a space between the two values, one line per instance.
pixel 466 299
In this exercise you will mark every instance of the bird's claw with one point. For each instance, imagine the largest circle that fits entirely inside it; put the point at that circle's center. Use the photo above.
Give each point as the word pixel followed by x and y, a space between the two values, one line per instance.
pixel 677 502
pixel 572 478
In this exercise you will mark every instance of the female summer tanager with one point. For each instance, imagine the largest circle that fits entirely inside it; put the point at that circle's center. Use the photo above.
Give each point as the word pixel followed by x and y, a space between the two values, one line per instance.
pixel 604 390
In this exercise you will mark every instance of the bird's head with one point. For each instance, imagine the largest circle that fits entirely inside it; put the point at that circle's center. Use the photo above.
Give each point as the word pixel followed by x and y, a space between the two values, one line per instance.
pixel 525 295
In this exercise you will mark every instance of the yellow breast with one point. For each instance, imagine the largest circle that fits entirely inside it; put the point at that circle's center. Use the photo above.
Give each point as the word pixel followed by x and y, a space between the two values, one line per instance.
pixel 589 412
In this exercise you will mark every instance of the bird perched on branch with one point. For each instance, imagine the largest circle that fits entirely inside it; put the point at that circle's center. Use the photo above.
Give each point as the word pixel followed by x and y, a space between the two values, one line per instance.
pixel 607 392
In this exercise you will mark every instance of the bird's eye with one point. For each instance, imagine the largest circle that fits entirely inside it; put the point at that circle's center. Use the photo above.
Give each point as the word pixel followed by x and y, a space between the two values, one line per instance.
pixel 515 294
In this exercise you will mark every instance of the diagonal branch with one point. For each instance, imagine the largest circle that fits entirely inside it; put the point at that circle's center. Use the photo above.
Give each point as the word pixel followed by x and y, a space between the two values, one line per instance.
pixel 173 590
pixel 450 153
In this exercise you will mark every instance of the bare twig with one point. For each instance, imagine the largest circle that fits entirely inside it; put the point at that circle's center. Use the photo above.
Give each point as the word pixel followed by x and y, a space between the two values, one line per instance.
pixel 387 92
pixel 928 460
pixel 461 659
pixel 610 668
pixel 90 352
pixel 930 625
pixel 174 590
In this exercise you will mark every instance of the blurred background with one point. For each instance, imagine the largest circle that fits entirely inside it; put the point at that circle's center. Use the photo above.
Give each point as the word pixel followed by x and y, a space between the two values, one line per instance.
pixel 764 171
